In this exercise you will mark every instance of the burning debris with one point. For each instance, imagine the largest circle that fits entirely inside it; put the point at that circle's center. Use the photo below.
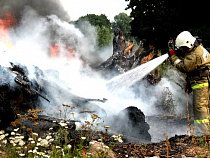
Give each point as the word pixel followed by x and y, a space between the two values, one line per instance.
pixel 18 94
pixel 124 58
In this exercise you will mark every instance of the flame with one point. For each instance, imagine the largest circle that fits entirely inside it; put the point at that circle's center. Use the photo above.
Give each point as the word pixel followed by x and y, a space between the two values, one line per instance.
pixel 68 53
pixel 5 23
pixel 65 52
pixel 54 51
pixel 71 54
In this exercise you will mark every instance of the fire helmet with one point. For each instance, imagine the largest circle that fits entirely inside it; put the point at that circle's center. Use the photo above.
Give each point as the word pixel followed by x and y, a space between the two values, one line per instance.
pixel 185 39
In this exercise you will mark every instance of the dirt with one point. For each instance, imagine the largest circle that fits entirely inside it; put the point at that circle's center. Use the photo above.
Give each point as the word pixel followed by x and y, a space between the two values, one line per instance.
pixel 178 146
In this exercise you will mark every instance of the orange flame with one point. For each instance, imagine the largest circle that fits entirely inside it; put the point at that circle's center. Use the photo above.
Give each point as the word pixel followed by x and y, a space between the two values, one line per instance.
pixel 6 22
pixel 53 51
pixel 69 54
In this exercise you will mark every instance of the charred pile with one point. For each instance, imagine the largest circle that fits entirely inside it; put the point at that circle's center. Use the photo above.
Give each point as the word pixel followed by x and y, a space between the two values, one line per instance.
pixel 16 97
pixel 124 58
pixel 131 123
pixel 18 94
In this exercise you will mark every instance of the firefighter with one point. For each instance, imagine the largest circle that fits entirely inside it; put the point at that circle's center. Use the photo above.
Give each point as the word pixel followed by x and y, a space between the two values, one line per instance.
pixel 194 61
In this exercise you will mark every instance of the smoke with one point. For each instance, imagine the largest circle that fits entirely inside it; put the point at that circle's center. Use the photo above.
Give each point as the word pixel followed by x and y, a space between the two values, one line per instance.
pixel 176 83
pixel 35 35
pixel 42 7
pixel 32 39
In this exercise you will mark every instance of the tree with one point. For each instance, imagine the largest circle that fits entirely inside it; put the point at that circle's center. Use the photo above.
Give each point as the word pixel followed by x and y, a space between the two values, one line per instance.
pixel 96 20
pixel 122 21
pixel 102 26
pixel 104 36
pixel 157 20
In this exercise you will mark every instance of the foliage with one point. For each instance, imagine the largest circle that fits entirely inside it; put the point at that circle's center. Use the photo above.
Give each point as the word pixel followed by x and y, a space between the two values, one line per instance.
pixel 102 26
pixel 96 20
pixel 122 21
pixel 104 36
pixel 156 21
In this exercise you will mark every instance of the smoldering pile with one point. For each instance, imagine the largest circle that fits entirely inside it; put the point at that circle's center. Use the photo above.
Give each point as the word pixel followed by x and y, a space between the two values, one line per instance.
pixel 39 26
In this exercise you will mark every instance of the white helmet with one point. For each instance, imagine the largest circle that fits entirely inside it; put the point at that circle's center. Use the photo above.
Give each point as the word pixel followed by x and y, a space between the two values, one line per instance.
pixel 185 39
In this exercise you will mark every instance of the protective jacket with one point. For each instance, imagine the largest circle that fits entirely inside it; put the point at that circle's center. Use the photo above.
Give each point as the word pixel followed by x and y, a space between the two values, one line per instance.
pixel 195 64
pixel 196 60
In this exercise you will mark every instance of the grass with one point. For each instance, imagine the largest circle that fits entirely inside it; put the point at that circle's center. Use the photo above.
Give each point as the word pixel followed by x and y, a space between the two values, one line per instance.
pixel 57 142
pixel 29 142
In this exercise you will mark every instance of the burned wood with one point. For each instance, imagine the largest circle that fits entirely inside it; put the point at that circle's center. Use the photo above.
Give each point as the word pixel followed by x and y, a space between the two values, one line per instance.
pixel 51 119
pixel 133 127
pixel 14 98
pixel 97 100
pixel 44 123
pixel 17 68
pixel 82 112
pixel 124 59
pixel 143 54
pixel 18 94
pixel 22 80
pixel 36 92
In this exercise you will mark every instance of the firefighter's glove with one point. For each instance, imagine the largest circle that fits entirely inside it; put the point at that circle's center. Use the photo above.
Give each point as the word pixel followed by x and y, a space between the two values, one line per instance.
pixel 171 52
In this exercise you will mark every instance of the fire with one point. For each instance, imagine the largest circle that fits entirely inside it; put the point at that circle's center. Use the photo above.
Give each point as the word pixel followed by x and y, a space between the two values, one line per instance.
pixel 5 23
pixel 67 52
pixel 71 54
pixel 53 51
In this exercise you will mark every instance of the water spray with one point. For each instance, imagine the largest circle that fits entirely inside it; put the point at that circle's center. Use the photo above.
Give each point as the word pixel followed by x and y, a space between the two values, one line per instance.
pixel 129 78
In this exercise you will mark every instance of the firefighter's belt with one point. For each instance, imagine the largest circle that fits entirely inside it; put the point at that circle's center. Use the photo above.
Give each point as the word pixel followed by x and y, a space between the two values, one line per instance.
pixel 200 85
pixel 201 121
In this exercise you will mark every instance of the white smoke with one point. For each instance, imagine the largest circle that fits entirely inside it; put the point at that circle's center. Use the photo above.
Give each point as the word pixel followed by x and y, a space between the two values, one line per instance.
pixel 32 40
pixel 176 83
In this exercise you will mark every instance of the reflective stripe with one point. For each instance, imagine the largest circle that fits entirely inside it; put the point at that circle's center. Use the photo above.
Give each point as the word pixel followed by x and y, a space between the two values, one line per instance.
pixel 200 85
pixel 176 62
pixel 201 121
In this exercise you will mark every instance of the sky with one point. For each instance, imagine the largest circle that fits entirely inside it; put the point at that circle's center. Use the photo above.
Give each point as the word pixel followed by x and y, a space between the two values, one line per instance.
pixel 78 8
